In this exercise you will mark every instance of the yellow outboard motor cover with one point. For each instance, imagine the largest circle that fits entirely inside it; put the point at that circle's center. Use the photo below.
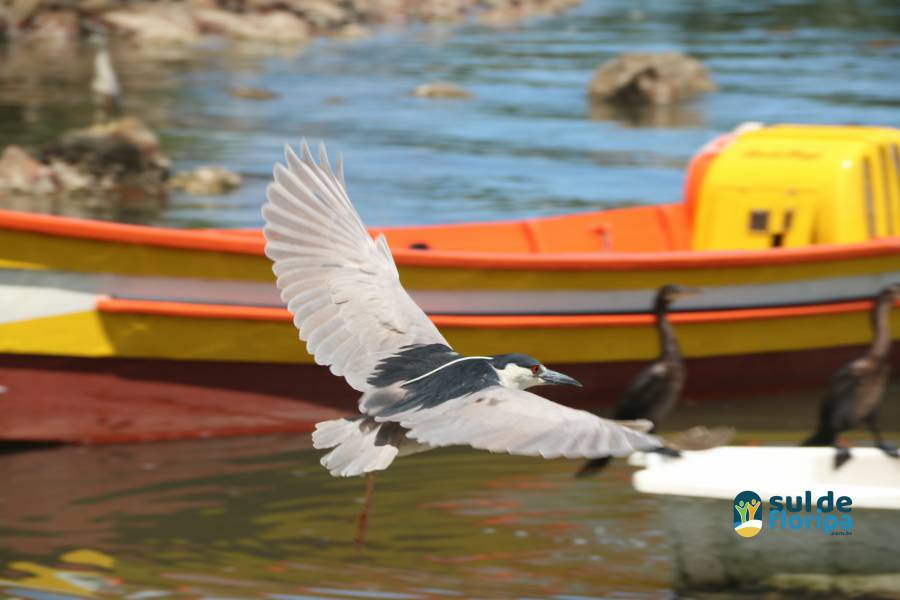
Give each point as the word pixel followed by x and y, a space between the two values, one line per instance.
pixel 796 185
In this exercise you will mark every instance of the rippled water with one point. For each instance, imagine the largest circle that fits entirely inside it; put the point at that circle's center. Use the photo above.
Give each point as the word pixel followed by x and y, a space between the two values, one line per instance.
pixel 527 144
pixel 258 518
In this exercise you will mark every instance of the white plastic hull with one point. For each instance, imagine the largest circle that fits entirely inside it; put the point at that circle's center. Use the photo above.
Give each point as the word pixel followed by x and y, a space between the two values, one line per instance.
pixel 696 496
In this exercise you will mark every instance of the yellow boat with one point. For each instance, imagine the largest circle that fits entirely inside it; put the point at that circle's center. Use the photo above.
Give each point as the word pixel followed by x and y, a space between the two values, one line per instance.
pixel 119 332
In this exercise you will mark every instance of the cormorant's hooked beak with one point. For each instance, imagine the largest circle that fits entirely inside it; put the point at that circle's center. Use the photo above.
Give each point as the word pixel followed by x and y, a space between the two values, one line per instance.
pixel 685 292
pixel 556 378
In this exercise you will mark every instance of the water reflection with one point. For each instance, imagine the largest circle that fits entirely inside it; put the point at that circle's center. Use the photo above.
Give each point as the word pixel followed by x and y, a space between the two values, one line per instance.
pixel 524 146
pixel 259 517
pixel 685 115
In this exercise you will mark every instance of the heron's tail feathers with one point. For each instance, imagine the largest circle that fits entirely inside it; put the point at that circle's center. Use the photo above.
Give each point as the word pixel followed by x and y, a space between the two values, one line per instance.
pixel 360 445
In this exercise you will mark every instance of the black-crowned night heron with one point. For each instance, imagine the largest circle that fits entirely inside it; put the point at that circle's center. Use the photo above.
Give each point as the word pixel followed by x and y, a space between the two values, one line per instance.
pixel 655 390
pixel 417 392
pixel 856 389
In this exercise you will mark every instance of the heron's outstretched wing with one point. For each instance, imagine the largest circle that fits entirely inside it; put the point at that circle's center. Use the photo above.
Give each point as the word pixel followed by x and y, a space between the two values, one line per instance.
pixel 341 285
pixel 501 419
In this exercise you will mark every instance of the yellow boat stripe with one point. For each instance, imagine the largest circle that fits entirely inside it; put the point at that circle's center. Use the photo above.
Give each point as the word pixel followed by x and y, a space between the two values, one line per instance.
pixel 440 278
pixel 95 334
pixel 22 250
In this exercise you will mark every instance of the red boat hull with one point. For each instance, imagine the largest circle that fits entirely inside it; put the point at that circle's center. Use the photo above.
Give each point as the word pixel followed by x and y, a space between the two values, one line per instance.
pixel 64 399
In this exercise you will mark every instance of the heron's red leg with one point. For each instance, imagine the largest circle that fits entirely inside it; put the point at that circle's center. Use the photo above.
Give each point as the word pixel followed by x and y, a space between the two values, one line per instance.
pixel 362 521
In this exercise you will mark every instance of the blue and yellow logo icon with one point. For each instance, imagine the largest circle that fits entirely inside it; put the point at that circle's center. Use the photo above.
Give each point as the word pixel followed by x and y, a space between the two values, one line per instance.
pixel 747 514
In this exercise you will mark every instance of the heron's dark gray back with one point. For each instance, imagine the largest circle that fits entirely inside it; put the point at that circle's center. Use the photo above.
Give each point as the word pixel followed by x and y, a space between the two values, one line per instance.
pixel 453 381
pixel 411 362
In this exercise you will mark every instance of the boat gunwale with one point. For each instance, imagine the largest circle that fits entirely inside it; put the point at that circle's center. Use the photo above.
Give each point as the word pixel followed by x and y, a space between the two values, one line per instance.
pixel 240 243
pixel 111 305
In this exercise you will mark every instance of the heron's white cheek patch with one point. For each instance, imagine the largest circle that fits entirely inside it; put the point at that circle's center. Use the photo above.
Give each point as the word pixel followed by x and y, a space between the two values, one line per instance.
pixel 516 377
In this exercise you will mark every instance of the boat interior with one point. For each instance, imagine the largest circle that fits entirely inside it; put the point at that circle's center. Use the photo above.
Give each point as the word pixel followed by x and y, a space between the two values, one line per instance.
pixel 783 186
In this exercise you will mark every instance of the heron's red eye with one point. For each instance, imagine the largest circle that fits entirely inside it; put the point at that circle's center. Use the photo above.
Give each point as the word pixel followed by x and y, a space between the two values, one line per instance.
pixel 535 369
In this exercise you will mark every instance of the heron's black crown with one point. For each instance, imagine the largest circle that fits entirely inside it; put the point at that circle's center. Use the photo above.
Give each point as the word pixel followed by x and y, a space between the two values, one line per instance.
pixel 500 361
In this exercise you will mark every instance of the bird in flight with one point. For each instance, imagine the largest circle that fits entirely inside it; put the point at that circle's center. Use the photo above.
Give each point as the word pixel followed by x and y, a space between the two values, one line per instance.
pixel 856 390
pixel 417 393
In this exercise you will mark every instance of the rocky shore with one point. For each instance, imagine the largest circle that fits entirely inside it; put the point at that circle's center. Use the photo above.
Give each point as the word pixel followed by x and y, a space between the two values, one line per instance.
pixel 118 162
pixel 114 164
pixel 271 21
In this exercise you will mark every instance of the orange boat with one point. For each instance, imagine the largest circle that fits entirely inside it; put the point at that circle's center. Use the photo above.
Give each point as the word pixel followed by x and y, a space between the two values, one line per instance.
pixel 114 332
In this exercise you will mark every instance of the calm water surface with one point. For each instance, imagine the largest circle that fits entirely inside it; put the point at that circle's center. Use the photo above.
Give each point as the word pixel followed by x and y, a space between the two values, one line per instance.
pixel 527 144
pixel 258 518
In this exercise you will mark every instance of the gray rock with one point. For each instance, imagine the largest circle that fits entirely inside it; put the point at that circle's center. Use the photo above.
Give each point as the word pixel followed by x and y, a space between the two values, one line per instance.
pixel 656 79
pixel 22 173
pixel 161 24
pixel 278 27
pixel 252 93
pixel 206 181
pixel 119 159
pixel 53 28
pixel 441 89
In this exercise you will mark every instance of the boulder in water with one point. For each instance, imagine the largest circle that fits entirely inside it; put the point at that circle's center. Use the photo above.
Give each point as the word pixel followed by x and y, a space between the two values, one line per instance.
pixel 119 158
pixel 441 89
pixel 206 181
pixel 21 173
pixel 252 93
pixel 645 78
pixel 124 146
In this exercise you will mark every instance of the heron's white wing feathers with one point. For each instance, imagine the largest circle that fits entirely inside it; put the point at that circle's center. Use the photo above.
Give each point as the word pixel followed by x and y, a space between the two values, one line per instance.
pixel 341 285
pixel 501 419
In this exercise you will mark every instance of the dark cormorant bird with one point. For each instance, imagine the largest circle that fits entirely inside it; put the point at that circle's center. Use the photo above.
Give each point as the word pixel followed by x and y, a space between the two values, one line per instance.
pixel 656 389
pixel 856 390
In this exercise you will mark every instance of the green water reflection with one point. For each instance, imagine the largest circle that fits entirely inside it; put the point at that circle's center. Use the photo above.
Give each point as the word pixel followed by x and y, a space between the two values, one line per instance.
pixel 260 518
pixel 257 517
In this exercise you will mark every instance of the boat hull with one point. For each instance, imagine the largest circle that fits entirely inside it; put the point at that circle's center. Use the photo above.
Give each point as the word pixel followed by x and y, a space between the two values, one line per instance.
pixel 711 556
pixel 115 332
pixel 533 267
pixel 696 496
pixel 109 400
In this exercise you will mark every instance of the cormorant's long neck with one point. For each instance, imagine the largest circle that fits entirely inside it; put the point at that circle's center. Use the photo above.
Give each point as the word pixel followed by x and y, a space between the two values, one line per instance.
pixel 881 325
pixel 668 343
